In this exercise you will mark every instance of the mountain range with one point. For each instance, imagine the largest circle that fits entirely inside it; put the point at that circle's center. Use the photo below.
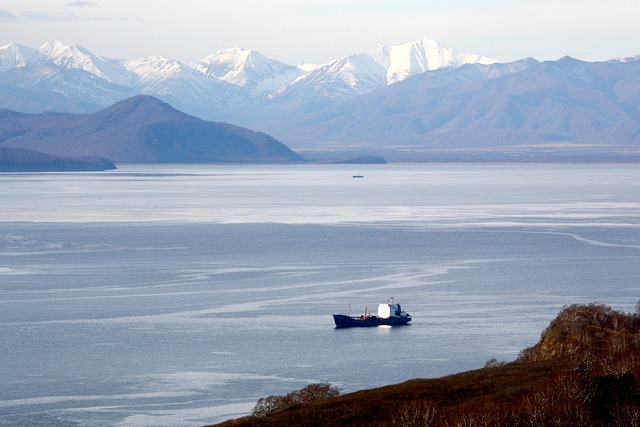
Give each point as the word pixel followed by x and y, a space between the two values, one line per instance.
pixel 77 80
pixel 416 101
pixel 525 110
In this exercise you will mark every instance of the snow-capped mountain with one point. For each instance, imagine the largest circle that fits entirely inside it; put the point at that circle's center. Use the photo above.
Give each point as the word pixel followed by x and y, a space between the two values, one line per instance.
pixel 89 82
pixel 180 84
pixel 350 76
pixel 363 73
pixel 248 69
pixel 73 56
pixel 567 110
pixel 227 80
pixel 406 60
pixel 18 56
pixel 54 78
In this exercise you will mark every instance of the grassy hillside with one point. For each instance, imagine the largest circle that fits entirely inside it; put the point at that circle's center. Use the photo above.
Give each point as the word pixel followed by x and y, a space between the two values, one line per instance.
pixel 585 371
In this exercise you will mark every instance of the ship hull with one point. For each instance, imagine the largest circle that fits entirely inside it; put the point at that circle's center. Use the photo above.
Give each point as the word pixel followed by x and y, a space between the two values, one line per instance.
pixel 344 321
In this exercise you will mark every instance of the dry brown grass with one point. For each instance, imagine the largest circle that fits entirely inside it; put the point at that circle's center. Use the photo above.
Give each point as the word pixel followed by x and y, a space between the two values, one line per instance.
pixel 585 371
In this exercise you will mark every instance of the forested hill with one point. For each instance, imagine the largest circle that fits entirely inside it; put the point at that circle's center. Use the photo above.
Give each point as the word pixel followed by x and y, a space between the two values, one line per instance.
pixel 585 371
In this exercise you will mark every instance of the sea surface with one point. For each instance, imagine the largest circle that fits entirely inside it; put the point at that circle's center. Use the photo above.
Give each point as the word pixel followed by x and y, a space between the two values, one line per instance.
pixel 165 295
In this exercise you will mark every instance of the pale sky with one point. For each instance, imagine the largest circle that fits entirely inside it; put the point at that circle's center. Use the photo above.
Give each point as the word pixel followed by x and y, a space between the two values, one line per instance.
pixel 298 31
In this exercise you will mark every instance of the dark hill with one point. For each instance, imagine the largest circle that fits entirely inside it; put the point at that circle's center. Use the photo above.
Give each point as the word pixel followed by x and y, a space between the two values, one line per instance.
pixel 585 371
pixel 141 129
pixel 21 160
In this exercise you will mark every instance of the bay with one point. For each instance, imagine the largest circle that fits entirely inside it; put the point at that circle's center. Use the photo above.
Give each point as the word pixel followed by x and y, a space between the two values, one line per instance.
pixel 178 295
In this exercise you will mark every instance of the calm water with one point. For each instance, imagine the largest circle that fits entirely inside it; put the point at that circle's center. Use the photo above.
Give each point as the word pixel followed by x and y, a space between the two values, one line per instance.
pixel 179 295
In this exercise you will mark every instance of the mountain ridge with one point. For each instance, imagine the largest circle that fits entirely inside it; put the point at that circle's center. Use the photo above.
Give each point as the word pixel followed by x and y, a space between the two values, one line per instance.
pixel 522 111
pixel 248 69
pixel 419 101
pixel 230 78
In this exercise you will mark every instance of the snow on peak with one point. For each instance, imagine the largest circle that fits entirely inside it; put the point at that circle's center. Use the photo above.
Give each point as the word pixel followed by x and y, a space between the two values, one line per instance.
pixel 626 59
pixel 405 60
pixel 70 56
pixel 365 72
pixel 226 64
pixel 247 69
pixel 164 77
pixel 342 78
pixel 78 57
pixel 55 47
pixel 16 56
pixel 359 71
pixel 239 74
pixel 152 70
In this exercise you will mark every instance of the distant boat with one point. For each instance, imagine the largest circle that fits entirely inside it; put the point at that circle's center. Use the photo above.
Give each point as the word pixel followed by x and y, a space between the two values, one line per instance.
pixel 390 314
pixel 358 176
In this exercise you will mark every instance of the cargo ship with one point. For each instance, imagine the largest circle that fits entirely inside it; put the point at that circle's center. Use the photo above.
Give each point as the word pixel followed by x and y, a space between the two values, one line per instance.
pixel 389 314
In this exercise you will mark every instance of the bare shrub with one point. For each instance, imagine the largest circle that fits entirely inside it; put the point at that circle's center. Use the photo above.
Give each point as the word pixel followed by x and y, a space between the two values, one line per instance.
pixel 493 363
pixel 267 405
pixel 416 413
pixel 271 404
pixel 627 415
pixel 314 392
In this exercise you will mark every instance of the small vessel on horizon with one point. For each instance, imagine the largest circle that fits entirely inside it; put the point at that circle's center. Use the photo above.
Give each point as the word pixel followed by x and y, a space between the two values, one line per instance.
pixel 389 314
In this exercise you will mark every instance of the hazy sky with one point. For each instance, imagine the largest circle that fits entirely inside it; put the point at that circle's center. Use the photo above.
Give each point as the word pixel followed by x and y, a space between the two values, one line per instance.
pixel 297 31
